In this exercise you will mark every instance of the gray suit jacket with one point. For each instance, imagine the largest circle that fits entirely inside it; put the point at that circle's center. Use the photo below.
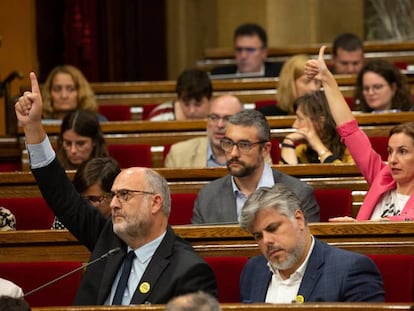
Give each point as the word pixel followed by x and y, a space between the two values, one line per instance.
pixel 216 202
pixel 188 153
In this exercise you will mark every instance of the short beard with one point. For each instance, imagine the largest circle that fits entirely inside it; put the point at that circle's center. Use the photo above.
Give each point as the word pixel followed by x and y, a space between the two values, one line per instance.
pixel 246 170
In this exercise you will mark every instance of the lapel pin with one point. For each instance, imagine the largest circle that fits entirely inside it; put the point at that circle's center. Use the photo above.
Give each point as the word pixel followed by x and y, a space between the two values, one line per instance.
pixel 144 287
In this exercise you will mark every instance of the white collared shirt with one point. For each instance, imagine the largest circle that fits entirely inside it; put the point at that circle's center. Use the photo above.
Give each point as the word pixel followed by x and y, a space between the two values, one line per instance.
pixel 285 291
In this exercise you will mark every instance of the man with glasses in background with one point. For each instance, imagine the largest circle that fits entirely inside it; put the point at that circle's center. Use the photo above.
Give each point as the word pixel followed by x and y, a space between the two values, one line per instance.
pixel 136 256
pixel 206 151
pixel 250 52
pixel 246 144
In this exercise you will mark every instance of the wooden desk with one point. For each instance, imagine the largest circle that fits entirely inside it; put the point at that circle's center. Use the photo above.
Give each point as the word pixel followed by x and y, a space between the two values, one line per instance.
pixel 214 240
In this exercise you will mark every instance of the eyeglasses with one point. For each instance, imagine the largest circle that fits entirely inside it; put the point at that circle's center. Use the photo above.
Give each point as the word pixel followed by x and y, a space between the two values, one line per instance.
pixel 250 50
pixel 124 195
pixel 96 199
pixel 214 118
pixel 375 88
pixel 80 144
pixel 243 146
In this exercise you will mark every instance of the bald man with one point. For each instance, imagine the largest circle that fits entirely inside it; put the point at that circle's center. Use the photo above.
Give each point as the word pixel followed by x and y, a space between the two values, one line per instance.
pixel 138 259
pixel 206 151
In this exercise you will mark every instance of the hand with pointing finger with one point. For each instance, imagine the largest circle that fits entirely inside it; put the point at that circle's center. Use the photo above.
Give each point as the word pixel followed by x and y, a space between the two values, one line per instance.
pixel 29 106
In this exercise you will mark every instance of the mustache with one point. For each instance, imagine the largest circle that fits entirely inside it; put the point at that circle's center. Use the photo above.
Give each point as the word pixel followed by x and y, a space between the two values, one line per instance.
pixel 234 160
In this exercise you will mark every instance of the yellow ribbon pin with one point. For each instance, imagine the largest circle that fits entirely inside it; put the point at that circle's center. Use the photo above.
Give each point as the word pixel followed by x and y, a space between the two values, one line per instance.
pixel 300 299
pixel 144 287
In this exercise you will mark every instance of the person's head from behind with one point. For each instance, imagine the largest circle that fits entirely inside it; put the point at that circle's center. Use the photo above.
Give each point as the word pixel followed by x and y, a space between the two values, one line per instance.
pixel 221 109
pixel 198 301
pixel 401 154
pixel 313 108
pixel 80 139
pixel 8 303
pixel 293 82
pixel 250 47
pixel 347 54
pixel 140 205
pixel 275 219
pixel 194 90
pixel 94 179
pixel 66 89
pixel 381 86
pixel 246 142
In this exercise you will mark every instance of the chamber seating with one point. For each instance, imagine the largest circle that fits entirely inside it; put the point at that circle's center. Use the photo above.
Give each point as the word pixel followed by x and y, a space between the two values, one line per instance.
pixel 116 112
pixel 129 155
pixel 182 205
pixel 380 145
pixel 333 202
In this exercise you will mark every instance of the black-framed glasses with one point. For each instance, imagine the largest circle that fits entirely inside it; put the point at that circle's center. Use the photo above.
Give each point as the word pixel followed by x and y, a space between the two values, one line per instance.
pixel 215 118
pixel 124 195
pixel 243 146
pixel 96 199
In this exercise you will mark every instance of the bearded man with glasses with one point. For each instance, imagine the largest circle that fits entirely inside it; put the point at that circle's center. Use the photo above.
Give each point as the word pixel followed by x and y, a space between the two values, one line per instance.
pixel 136 256
pixel 247 145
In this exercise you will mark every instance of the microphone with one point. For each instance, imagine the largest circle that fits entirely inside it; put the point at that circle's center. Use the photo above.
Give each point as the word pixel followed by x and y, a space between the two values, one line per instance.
pixel 107 254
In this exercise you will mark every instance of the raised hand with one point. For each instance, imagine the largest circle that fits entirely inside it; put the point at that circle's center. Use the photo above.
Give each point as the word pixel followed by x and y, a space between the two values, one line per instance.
pixel 316 68
pixel 29 106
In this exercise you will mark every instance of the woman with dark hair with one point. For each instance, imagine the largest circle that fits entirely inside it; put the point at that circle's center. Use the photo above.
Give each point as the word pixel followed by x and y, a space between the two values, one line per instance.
pixel 315 139
pixel 80 139
pixel 380 87
pixel 93 180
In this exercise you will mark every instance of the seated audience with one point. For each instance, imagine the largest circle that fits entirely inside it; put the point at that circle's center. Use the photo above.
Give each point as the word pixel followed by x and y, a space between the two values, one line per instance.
pixel 292 84
pixel 9 289
pixel 80 139
pixel 198 301
pixel 246 144
pixel 7 220
pixel 315 139
pixel 206 151
pixel 159 264
pixel 194 91
pixel 93 180
pixel 347 54
pixel 8 303
pixel 250 53
pixel 67 89
pixel 391 192
pixel 294 265
pixel 381 86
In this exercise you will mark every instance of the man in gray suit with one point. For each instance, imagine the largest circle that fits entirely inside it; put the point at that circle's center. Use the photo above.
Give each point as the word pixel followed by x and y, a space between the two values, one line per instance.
pixel 246 144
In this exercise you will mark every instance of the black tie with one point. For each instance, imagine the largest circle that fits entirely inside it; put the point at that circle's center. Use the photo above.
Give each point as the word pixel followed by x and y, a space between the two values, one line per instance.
pixel 123 281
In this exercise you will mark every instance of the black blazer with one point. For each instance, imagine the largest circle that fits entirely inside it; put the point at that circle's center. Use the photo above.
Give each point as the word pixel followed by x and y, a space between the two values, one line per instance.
pixel 174 269
pixel 271 69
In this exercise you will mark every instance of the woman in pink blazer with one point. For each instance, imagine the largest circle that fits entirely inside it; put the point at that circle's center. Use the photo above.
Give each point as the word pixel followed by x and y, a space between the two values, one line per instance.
pixel 390 196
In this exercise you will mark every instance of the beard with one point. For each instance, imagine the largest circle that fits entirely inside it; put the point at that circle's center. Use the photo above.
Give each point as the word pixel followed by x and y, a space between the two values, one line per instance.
pixel 134 228
pixel 244 170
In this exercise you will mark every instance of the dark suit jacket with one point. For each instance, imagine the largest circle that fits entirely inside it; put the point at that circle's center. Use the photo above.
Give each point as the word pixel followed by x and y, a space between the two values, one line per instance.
pixel 271 69
pixel 332 275
pixel 216 202
pixel 174 269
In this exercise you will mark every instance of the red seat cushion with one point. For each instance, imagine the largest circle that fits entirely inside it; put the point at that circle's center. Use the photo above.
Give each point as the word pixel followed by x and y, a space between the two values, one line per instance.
pixel 31 275
pixel 116 112
pixel 30 213
pixel 380 145
pixel 129 155
pixel 265 102
pixel 333 202
pixel 181 208
pixel 398 276
pixel 227 270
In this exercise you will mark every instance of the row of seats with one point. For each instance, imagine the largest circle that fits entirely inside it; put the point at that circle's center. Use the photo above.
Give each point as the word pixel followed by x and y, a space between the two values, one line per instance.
pixel 33 213
pixel 397 272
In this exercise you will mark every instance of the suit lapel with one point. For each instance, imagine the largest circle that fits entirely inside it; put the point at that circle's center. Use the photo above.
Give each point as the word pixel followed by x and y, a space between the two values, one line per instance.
pixel 313 271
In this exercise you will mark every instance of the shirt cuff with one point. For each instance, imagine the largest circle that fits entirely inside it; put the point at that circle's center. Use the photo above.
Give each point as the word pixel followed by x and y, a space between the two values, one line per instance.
pixel 40 155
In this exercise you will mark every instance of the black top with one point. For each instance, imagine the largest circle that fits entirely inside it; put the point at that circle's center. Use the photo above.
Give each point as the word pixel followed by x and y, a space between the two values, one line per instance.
pixel 271 69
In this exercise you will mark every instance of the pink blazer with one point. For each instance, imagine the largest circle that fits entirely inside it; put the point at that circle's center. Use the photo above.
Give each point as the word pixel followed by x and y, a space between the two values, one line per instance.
pixel 376 172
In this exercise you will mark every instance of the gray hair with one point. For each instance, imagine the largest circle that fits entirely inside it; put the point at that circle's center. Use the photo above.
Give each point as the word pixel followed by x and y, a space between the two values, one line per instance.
pixel 158 184
pixel 198 301
pixel 279 197
pixel 252 117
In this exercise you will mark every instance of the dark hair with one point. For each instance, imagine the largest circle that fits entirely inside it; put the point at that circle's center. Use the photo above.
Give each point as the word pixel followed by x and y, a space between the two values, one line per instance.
pixel 193 84
pixel 197 301
pixel 252 117
pixel 402 97
pixel 315 105
pixel 8 303
pixel 100 171
pixel 83 123
pixel 251 29
pixel 348 42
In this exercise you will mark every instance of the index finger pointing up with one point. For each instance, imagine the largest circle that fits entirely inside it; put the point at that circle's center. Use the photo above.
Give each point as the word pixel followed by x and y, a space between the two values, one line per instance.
pixel 35 84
